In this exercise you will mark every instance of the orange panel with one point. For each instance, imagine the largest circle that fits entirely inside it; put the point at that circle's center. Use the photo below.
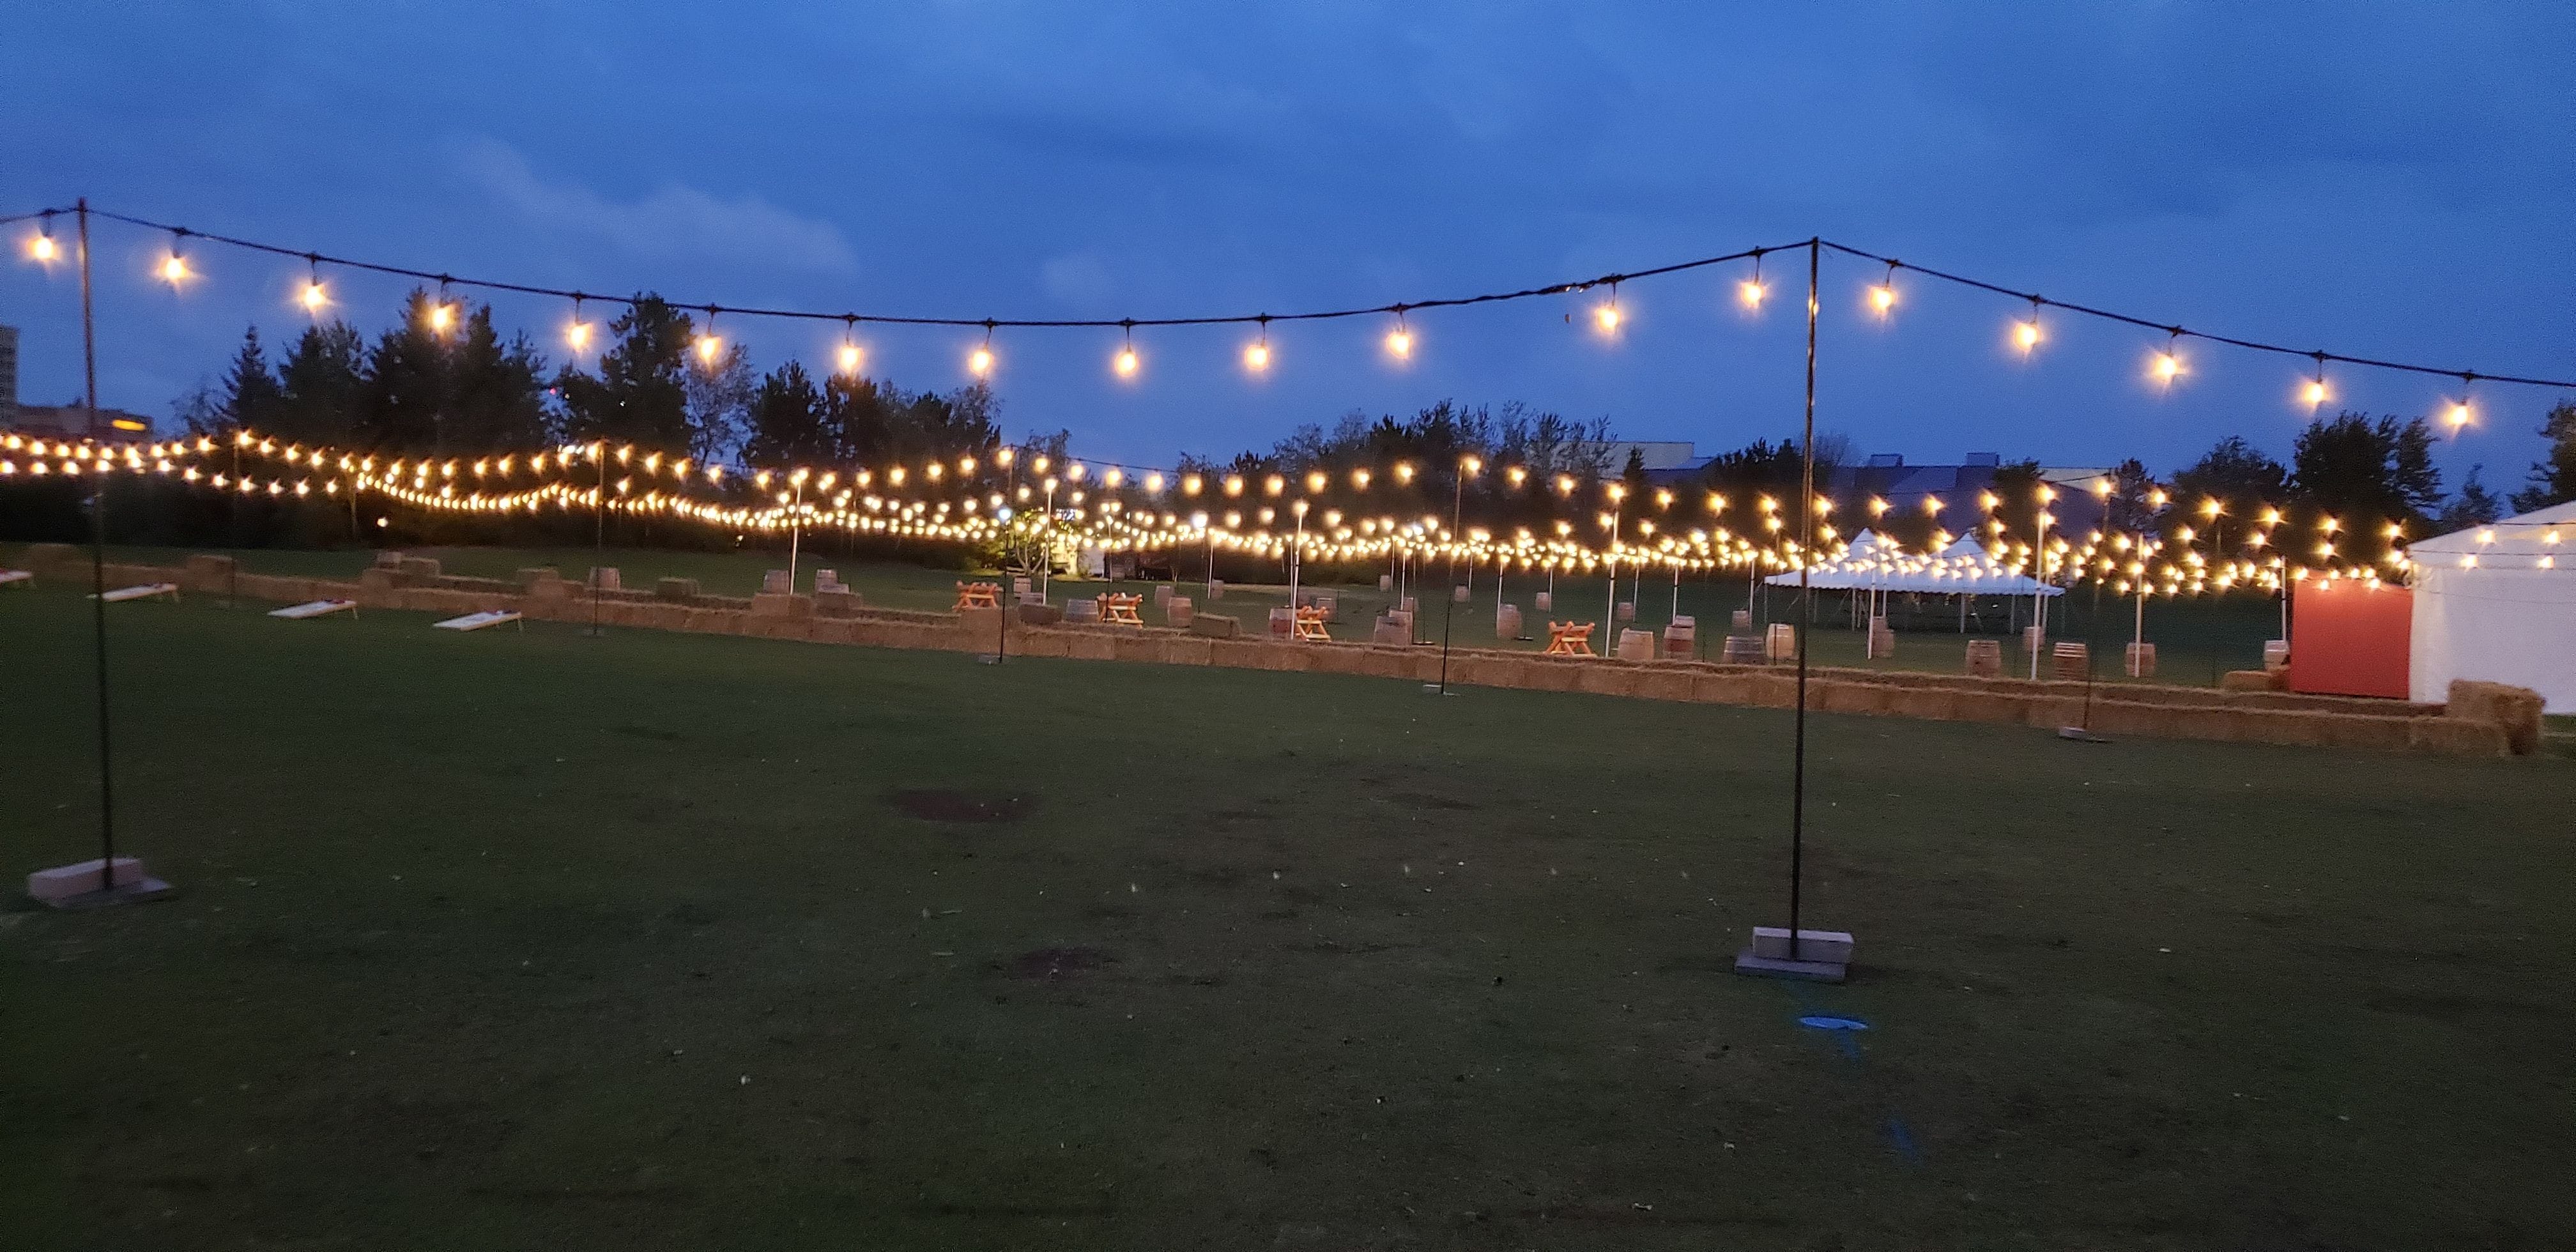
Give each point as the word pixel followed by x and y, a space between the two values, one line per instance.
pixel 2350 638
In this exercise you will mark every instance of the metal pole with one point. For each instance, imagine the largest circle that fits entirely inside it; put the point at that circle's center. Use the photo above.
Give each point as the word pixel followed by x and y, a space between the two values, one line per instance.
pixel 599 532
pixel 1806 604
pixel 97 568
pixel 1449 611
pixel 795 533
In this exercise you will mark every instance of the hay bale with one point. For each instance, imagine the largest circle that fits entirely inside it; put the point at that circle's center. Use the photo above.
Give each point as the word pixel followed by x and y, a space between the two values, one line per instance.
pixel 1390 632
pixel 680 589
pixel 1187 651
pixel 840 601
pixel 781 605
pixel 2516 710
pixel 209 572
pixel 1215 626
pixel 2253 680
pixel 605 578
pixel 1040 614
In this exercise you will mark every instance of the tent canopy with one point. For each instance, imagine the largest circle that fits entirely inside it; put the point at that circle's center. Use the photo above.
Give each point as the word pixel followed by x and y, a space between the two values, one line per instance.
pixel 1872 563
pixel 2493 603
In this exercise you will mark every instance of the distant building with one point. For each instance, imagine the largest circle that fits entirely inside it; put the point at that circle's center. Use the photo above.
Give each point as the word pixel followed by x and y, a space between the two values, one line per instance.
pixel 1661 456
pixel 68 421
pixel 1887 476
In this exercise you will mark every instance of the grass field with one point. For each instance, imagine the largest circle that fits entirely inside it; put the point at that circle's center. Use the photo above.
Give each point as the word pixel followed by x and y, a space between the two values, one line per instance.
pixel 524 939
pixel 2197 639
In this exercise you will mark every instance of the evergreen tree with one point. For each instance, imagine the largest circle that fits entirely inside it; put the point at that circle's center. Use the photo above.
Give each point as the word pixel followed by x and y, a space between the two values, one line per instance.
pixel 640 394
pixel 719 401
pixel 2553 479
pixel 320 382
pixel 2353 468
pixel 2474 506
pixel 496 399
pixel 787 423
pixel 2241 478
pixel 250 396
pixel 405 387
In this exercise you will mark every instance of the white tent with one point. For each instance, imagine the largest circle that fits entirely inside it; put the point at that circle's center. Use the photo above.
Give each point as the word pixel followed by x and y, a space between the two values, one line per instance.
pixel 1873 564
pixel 2494 603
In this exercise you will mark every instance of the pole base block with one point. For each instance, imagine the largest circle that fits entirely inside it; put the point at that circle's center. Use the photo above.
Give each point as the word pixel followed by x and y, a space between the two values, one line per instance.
pixel 1823 955
pixel 83 885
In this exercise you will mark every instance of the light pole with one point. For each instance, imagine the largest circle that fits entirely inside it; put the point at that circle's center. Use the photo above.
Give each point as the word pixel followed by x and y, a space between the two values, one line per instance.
pixel 1610 614
pixel 2039 587
pixel 1296 564
pixel 1467 467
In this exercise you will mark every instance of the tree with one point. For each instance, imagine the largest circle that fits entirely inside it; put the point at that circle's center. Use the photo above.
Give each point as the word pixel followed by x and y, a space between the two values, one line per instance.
pixel 2474 506
pixel 640 394
pixel 786 423
pixel 2242 479
pixel 2351 467
pixel 496 396
pixel 2553 478
pixel 405 384
pixel 321 381
pixel 250 396
pixel 719 396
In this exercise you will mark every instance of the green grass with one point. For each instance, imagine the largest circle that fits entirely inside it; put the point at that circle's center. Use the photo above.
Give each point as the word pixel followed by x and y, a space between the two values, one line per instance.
pixel 523 939
pixel 2196 639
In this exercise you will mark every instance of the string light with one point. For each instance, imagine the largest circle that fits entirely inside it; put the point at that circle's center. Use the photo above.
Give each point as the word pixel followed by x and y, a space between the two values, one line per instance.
pixel 709 343
pixel 1256 356
pixel 980 361
pixel 174 267
pixel 2168 363
pixel 2457 414
pixel 40 246
pixel 577 331
pixel 1750 291
pixel 849 358
pixel 2314 393
pixel 1126 363
pixel 1882 298
pixel 2025 333
pixel 442 313
pixel 1605 316
pixel 1399 341
pixel 314 296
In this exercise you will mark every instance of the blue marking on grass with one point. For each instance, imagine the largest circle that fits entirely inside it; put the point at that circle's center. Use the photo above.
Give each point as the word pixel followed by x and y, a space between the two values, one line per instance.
pixel 1821 1022
pixel 1903 1139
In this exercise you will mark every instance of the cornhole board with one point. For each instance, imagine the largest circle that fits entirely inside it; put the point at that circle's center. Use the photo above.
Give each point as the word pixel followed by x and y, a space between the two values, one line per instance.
pixel 143 592
pixel 315 608
pixel 477 621
pixel 8 576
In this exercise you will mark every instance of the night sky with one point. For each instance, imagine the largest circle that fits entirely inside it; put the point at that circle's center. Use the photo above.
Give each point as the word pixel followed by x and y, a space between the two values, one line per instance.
pixel 2385 180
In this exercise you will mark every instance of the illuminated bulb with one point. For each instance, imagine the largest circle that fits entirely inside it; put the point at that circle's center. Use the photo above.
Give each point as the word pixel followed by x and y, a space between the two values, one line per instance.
pixel 980 362
pixel 577 335
pixel 2168 367
pixel 1606 317
pixel 43 248
pixel 174 269
pixel 441 316
pixel 850 359
pixel 1256 357
pixel 709 345
pixel 2026 334
pixel 1126 363
pixel 1750 293
pixel 2314 393
pixel 2458 416
pixel 1399 343
pixel 314 297
pixel 1882 298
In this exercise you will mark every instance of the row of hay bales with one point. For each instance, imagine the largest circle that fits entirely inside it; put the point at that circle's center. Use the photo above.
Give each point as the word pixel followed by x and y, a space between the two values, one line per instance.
pixel 2482 719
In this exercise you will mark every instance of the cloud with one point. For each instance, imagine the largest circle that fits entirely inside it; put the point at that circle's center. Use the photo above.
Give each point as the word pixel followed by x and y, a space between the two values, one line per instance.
pixel 1078 279
pixel 674 222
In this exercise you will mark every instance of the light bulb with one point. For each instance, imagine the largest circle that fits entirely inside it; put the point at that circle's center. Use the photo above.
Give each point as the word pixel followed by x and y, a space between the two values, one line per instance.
pixel 1257 357
pixel 850 359
pixel 441 316
pixel 2167 367
pixel 980 362
pixel 577 335
pixel 1750 293
pixel 1606 317
pixel 1882 298
pixel 314 297
pixel 709 345
pixel 2458 416
pixel 174 269
pixel 43 248
pixel 1399 343
pixel 2314 393
pixel 2026 334
pixel 1126 363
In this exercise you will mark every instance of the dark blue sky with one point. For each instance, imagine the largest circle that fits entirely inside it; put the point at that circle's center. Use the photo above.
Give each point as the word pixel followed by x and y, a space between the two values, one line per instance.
pixel 2383 180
